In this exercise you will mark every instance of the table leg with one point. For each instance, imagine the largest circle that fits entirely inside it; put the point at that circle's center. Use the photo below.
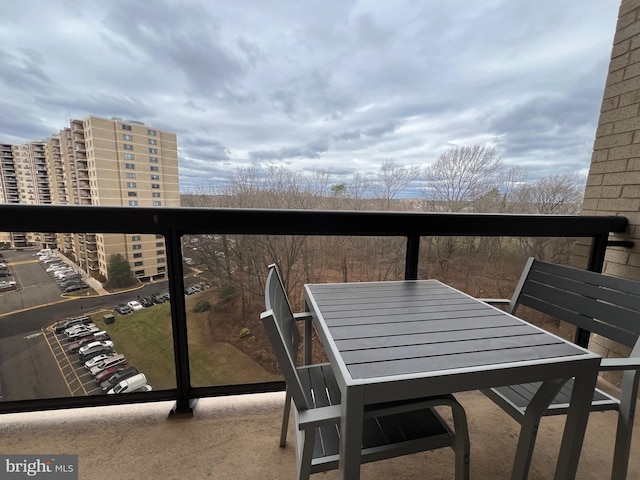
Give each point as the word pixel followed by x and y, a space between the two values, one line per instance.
pixel 576 424
pixel 351 433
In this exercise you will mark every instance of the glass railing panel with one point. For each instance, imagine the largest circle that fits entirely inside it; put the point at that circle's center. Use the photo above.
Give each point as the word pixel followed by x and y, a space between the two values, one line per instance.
pixel 224 279
pixel 61 308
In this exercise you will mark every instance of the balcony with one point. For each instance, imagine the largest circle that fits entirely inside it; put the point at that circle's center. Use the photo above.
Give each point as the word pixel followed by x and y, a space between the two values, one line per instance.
pixel 237 436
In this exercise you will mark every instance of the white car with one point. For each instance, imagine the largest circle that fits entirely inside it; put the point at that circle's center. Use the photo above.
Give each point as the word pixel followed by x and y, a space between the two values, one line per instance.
pixel 97 359
pixel 78 326
pixel 82 332
pixel 135 305
pixel 95 346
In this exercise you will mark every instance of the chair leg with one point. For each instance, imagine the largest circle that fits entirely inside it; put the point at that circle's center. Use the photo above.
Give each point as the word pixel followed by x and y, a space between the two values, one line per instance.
pixel 529 426
pixel 461 444
pixel 285 419
pixel 626 415
pixel 305 456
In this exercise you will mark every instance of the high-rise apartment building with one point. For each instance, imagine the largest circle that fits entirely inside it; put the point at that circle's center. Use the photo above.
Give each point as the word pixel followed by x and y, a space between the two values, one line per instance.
pixel 24 178
pixel 97 161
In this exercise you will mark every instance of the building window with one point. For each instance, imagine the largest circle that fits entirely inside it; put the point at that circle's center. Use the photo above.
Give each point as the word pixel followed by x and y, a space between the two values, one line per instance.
pixel 129 166
pixel 157 203
pixel 155 194
pixel 135 238
pixel 153 141
pixel 133 203
pixel 159 236
pixel 131 175
pixel 139 273
pixel 151 132
pixel 129 156
pixel 159 244
pixel 161 260
pixel 137 255
pixel 155 185
pixel 161 269
pixel 153 150
pixel 126 127
pixel 132 194
pixel 138 264
pixel 137 247
pixel 154 168
pixel 159 252
pixel 131 184
pixel 127 137
pixel 155 177
pixel 153 159
pixel 128 146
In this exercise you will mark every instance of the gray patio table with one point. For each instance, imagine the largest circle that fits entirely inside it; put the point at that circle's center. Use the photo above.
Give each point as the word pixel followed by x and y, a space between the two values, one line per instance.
pixel 391 341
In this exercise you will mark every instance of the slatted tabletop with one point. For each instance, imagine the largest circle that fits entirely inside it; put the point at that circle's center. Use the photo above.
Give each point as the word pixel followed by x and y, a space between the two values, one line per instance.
pixel 399 328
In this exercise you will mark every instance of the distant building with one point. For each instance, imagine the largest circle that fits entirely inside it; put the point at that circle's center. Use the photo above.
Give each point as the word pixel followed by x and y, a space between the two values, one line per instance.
pixel 96 161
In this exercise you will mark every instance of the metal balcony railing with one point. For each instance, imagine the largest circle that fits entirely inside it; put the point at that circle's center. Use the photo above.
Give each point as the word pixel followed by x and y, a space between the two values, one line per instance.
pixel 173 223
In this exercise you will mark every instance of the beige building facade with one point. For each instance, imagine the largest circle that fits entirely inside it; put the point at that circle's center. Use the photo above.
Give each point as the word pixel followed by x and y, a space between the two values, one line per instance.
pixel 98 161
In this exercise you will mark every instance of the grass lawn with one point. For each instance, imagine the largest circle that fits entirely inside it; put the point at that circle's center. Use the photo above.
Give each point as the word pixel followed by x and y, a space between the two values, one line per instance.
pixel 145 338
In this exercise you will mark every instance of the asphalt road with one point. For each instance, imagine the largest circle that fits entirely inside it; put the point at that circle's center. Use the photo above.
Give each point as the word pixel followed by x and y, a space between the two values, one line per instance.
pixel 27 366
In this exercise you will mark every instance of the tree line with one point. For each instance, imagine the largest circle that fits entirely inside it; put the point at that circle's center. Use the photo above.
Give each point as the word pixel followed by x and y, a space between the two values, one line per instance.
pixel 463 179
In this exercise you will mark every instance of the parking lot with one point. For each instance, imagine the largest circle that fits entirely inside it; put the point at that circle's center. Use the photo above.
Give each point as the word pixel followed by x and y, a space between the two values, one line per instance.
pixel 33 358
pixel 108 369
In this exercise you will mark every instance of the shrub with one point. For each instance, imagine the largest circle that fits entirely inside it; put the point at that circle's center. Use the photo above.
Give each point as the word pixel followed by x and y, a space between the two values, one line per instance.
pixel 202 306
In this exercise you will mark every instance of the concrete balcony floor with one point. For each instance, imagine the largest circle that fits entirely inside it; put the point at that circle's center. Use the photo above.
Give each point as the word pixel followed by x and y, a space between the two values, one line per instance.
pixel 237 438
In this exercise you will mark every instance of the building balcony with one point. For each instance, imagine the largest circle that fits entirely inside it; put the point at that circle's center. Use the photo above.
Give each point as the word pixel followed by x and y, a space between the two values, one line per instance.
pixel 235 427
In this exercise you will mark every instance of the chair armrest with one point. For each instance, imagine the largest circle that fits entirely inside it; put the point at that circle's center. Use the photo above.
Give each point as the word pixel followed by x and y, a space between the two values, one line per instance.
pixel 496 301
pixel 302 316
pixel 613 364
pixel 317 417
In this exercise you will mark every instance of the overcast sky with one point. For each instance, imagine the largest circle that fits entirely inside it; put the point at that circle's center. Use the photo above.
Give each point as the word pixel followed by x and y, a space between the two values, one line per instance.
pixel 332 85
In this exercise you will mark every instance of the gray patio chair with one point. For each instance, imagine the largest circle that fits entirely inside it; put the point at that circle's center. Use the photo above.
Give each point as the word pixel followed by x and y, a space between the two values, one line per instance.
pixel 600 304
pixel 389 430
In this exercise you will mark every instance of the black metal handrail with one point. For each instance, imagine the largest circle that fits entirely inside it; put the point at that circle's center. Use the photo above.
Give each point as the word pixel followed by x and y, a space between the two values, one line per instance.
pixel 173 223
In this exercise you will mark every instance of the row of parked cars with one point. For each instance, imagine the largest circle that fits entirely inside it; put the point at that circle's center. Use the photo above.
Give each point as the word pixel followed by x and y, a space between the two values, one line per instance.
pixel 155 299
pixel 6 278
pixel 67 278
pixel 96 352
pixel 146 302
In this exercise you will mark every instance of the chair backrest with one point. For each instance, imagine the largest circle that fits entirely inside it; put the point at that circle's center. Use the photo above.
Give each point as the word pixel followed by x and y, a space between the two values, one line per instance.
pixel 601 304
pixel 283 334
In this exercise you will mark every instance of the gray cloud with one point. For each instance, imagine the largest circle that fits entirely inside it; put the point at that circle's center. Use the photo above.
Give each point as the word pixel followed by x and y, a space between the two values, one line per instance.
pixel 337 85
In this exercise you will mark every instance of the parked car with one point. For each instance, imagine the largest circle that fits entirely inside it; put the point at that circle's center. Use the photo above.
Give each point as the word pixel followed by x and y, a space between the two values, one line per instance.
pixel 95 346
pixel 95 360
pixel 75 346
pixel 83 333
pixel 112 361
pixel 146 302
pixel 78 326
pixel 134 305
pixel 59 328
pixel 96 353
pixel 123 309
pixel 159 297
pixel 75 288
pixel 105 375
pixel 129 384
pixel 112 380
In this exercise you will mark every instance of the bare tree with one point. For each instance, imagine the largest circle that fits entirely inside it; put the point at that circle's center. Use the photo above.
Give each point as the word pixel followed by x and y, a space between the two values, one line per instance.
pixel 461 176
pixel 557 194
pixel 393 179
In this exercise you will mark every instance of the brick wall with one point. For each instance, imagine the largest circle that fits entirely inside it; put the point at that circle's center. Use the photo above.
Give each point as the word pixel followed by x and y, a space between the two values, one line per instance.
pixel 613 184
